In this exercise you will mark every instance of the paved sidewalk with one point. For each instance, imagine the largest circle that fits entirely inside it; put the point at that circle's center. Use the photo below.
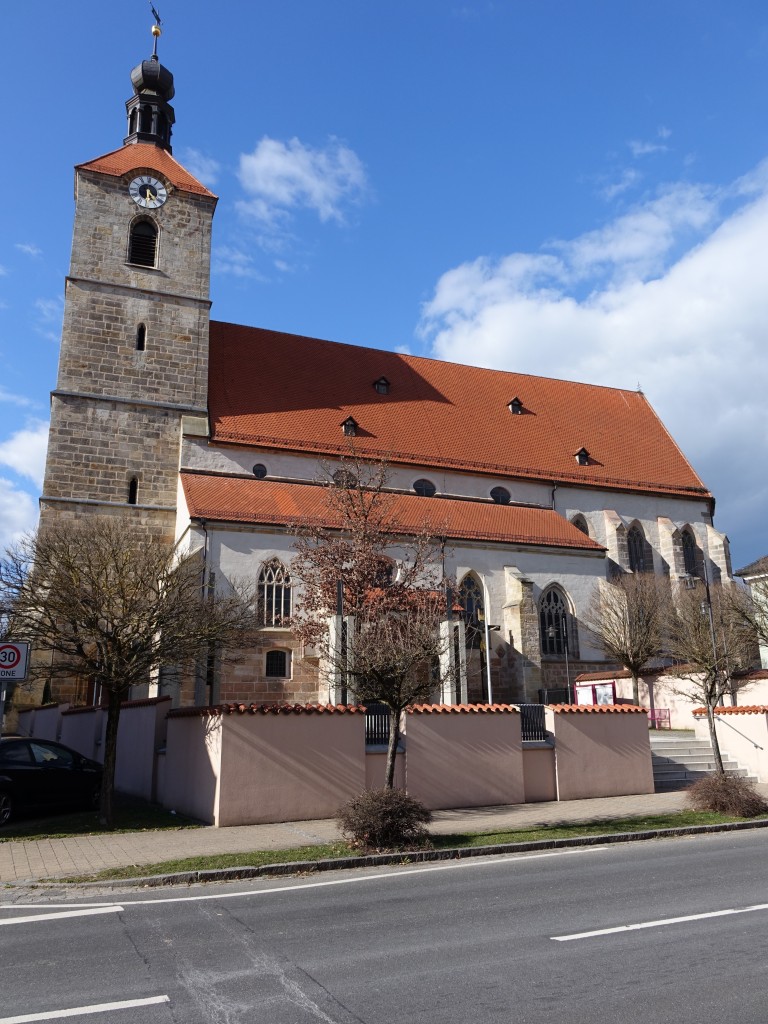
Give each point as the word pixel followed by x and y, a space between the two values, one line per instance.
pixel 39 860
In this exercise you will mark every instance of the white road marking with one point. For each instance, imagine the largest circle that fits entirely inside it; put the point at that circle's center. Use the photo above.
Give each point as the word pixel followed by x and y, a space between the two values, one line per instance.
pixel 76 1011
pixel 661 923
pixel 113 908
pixel 405 872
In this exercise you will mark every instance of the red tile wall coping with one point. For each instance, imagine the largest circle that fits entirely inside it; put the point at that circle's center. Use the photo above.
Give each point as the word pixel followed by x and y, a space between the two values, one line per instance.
pixel 463 709
pixel 588 677
pixel 747 709
pixel 603 709
pixel 143 703
pixel 267 709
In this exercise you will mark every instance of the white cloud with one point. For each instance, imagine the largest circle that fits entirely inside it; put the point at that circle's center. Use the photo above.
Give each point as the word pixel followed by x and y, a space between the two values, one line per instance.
pixel 671 295
pixel 203 167
pixel 18 513
pixel 639 148
pixel 629 177
pixel 283 177
pixel 29 249
pixel 228 260
pixel 24 451
pixel 50 313
pixel 13 399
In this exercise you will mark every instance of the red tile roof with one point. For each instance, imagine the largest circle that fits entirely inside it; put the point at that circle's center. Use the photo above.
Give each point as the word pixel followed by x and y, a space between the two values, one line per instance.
pixel 267 709
pixel 289 392
pixel 463 709
pixel 746 709
pixel 595 709
pixel 141 156
pixel 268 502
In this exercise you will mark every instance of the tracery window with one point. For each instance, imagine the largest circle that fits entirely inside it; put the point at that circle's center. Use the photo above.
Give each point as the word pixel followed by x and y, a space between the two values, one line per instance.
pixel 689 553
pixel 274 594
pixel 636 550
pixel 553 623
pixel 471 601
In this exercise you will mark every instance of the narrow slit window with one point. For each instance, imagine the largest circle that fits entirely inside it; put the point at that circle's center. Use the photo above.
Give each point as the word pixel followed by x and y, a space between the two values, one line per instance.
pixel 141 338
pixel 142 249
pixel 133 491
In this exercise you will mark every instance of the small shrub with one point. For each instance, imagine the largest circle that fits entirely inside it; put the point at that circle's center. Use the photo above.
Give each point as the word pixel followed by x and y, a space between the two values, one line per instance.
pixel 727 794
pixel 384 819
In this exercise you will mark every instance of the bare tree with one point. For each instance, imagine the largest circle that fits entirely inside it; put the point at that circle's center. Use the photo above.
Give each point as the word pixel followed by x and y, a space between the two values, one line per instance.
pixel 358 562
pixel 751 606
pixel 713 647
pixel 106 603
pixel 626 616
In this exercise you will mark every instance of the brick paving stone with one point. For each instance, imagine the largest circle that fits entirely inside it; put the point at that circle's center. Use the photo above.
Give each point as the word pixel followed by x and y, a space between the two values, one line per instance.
pixel 29 860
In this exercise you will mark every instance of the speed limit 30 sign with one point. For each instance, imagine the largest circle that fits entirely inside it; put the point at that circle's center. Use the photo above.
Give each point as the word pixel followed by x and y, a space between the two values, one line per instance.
pixel 13 660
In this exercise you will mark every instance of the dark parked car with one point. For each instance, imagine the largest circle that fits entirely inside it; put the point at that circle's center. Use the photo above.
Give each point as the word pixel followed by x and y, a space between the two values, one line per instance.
pixel 42 775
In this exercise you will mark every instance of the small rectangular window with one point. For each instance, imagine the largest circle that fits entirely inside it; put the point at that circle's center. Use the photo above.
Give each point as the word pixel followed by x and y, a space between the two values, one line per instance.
pixel 277 664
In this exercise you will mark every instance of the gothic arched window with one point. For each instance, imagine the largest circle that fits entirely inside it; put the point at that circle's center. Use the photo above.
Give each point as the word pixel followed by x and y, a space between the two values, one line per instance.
pixel 553 622
pixel 580 523
pixel 471 601
pixel 636 547
pixel 142 245
pixel 274 594
pixel 689 553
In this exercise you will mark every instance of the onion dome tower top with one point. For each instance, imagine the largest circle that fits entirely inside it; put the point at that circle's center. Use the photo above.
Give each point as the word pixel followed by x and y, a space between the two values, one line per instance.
pixel 150 115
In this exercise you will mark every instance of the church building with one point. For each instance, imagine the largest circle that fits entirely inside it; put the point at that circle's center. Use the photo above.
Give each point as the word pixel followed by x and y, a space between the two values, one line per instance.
pixel 212 433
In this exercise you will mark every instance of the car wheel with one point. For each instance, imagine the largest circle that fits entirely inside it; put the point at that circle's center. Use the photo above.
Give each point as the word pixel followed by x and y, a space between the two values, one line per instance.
pixel 6 807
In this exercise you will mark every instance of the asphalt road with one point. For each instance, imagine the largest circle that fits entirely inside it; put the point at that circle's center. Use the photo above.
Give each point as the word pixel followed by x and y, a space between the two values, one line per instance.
pixel 505 939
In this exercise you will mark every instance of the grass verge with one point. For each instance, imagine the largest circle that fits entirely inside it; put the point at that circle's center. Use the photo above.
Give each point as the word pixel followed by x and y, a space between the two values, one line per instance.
pixel 262 858
pixel 130 815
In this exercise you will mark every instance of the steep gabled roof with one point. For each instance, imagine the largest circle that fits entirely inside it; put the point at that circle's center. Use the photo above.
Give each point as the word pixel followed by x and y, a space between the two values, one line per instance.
pixel 143 156
pixel 273 503
pixel 756 568
pixel 289 392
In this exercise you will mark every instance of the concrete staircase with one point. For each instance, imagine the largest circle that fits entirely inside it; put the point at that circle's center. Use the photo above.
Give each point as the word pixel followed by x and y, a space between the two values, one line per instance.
pixel 679 760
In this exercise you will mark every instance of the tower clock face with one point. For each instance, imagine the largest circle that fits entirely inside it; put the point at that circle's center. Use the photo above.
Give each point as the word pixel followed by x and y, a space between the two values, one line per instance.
pixel 147 192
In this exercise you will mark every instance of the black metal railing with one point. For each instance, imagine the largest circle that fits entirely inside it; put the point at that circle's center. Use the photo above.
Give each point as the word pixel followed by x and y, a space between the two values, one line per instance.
pixel 532 721
pixel 376 725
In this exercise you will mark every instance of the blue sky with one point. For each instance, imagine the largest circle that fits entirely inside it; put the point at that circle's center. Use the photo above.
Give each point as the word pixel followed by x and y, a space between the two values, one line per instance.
pixel 573 189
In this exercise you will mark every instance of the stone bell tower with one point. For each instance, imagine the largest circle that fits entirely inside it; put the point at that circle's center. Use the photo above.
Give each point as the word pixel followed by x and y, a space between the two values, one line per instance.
pixel 133 366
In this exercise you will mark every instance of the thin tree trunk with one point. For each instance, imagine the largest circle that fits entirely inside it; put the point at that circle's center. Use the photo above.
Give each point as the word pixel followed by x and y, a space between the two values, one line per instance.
pixel 714 740
pixel 110 758
pixel 635 688
pixel 394 739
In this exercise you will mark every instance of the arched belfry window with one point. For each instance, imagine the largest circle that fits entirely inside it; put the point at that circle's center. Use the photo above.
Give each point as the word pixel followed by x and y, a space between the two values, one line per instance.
pixel 142 245
pixel 553 623
pixel 690 561
pixel 274 594
pixel 638 550
pixel 471 601
pixel 133 491
pixel 146 118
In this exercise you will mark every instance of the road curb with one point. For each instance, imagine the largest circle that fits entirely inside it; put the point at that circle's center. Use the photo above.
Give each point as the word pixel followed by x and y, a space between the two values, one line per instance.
pixel 403 859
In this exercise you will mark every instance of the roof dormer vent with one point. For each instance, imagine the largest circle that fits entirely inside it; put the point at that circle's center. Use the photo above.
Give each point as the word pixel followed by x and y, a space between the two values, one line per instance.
pixel 582 457
pixel 381 386
pixel 349 426
pixel 515 406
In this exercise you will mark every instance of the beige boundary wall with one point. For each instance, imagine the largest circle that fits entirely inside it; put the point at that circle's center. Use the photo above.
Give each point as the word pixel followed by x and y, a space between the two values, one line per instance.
pixel 140 735
pixel 238 764
pixel 742 733
pixel 464 755
pixel 600 751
